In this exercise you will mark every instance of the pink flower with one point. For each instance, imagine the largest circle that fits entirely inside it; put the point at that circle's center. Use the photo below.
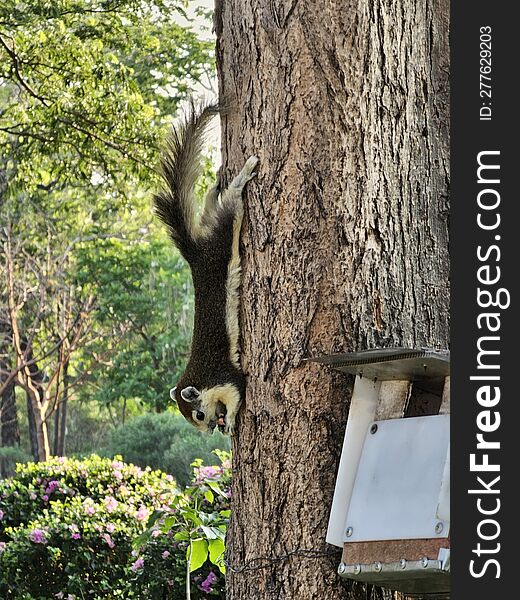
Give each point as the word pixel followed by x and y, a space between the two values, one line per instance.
pixel 110 527
pixel 165 554
pixel 89 510
pixel 108 540
pixel 118 475
pixel 32 496
pixel 117 464
pixel 3 546
pixel 59 595
pixel 142 514
pixel 2 513
pixel 37 536
pixel 45 498
pixel 156 533
pixel 76 536
pixel 139 564
pixel 52 486
pixel 110 503
pixel 205 586
pixel 202 473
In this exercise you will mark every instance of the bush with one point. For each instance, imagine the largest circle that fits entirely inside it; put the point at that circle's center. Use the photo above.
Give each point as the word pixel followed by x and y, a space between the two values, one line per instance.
pixel 165 441
pixel 67 529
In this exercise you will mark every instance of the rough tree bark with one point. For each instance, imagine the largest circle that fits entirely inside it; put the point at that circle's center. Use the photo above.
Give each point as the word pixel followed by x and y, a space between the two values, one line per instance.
pixel 345 247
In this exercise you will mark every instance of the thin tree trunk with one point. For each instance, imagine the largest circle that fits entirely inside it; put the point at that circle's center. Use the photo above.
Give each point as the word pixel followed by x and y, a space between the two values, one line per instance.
pixel 33 438
pixel 37 418
pixel 9 430
pixel 56 442
pixel 38 430
pixel 64 406
pixel 345 247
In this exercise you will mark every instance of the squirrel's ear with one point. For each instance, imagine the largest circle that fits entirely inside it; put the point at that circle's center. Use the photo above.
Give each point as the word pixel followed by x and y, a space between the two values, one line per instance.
pixel 172 394
pixel 190 393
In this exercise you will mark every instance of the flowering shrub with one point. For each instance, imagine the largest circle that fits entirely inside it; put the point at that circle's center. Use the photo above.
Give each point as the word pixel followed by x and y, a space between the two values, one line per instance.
pixel 67 529
pixel 196 521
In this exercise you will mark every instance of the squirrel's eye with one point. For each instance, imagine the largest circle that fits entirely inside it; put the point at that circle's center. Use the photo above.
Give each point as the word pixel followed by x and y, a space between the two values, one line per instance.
pixel 200 415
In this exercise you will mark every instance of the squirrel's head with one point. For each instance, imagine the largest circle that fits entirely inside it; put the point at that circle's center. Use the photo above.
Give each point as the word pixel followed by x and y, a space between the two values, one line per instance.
pixel 206 408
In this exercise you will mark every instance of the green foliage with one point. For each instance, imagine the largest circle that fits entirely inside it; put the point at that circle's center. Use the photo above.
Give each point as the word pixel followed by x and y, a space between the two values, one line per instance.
pixel 68 530
pixel 165 441
pixel 197 520
pixel 86 85
pixel 144 299
pixel 87 89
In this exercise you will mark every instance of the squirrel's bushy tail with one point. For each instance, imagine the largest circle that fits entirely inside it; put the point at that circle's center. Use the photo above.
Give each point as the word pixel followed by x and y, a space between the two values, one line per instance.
pixel 180 168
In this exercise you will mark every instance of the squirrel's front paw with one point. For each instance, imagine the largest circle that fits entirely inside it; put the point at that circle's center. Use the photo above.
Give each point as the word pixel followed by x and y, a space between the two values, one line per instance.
pixel 226 424
pixel 229 427
pixel 247 173
pixel 250 164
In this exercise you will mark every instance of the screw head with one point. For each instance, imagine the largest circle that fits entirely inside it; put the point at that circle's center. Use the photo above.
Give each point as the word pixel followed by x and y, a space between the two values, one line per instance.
pixel 342 568
pixel 357 569
pixel 439 527
pixel 402 563
pixel 349 531
pixel 424 562
pixel 378 566
pixel 373 428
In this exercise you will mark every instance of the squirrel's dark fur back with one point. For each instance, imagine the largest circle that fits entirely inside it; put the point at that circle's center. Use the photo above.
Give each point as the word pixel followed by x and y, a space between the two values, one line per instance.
pixel 209 243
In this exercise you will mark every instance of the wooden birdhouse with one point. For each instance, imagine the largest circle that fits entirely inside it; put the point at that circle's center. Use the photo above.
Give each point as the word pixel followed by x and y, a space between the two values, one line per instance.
pixel 391 507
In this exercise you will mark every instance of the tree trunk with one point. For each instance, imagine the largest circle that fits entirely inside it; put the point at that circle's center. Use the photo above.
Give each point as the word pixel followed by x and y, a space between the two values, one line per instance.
pixel 40 424
pixel 64 406
pixel 345 247
pixel 33 438
pixel 9 431
pixel 56 442
pixel 36 402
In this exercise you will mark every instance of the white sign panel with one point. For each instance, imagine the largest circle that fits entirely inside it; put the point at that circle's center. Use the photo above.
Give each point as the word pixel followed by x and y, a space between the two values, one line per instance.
pixel 398 481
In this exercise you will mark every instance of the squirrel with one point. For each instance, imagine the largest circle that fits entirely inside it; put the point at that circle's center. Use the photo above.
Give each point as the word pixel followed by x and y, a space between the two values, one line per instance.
pixel 210 391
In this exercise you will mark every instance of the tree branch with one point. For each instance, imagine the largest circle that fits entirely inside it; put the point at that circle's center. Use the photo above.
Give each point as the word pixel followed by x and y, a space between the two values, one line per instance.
pixel 18 75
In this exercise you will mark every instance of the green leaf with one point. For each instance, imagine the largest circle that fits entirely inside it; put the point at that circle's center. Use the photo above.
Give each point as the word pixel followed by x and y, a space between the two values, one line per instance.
pixel 169 522
pixel 210 532
pixel 157 514
pixel 216 553
pixel 210 497
pixel 197 554
pixel 141 540
pixel 216 488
